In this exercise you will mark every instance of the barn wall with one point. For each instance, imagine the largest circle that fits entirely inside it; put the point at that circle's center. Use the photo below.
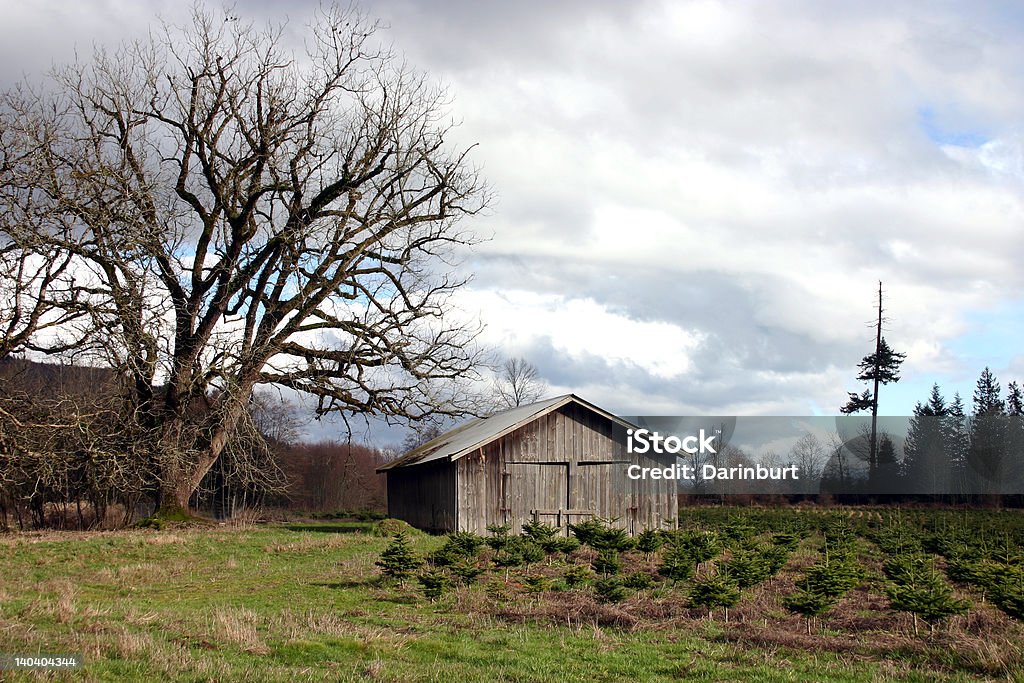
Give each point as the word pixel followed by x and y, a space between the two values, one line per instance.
pixel 562 467
pixel 423 496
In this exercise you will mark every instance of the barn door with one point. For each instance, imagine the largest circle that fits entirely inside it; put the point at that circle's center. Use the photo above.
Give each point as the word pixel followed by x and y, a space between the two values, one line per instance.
pixel 534 490
pixel 604 488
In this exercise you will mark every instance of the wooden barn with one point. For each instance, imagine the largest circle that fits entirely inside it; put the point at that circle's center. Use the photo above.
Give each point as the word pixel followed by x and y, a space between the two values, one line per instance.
pixel 559 461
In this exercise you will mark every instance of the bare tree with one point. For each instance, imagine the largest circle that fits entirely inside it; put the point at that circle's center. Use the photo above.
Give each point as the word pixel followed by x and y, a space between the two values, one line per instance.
pixel 420 435
pixel 518 384
pixel 236 215
pixel 275 418
pixel 809 456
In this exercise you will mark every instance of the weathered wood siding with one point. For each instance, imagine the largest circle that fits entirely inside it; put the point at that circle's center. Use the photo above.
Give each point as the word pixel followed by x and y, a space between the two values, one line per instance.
pixel 424 496
pixel 562 467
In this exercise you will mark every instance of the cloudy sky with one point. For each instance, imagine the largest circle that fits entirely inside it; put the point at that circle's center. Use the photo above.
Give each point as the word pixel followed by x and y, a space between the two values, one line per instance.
pixel 696 200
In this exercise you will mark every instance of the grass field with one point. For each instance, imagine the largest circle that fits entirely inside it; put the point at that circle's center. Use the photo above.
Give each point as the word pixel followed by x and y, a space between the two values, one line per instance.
pixel 305 602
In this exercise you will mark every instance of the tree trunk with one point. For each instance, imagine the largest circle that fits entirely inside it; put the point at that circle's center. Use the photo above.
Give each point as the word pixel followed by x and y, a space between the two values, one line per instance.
pixel 873 448
pixel 180 478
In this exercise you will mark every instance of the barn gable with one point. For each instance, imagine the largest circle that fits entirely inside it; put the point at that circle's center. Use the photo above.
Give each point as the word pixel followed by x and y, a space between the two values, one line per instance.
pixel 558 461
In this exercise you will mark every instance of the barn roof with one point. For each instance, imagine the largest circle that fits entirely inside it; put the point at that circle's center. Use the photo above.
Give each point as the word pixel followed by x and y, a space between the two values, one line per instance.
pixel 471 435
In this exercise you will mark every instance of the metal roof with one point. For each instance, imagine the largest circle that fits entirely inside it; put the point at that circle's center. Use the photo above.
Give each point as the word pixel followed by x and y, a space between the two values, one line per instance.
pixel 471 435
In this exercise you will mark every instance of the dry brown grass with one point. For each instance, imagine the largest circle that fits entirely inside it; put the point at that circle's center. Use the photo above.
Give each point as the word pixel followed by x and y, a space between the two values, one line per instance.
pixel 246 518
pixel 65 607
pixel 309 543
pixel 134 644
pixel 136 618
pixel 238 625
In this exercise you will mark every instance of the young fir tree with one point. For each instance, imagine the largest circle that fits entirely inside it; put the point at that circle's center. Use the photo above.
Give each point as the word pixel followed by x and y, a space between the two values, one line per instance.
pixel 638 581
pixel 834 578
pixel 467 570
pixel 399 561
pixel 434 583
pixel 576 576
pixel 809 605
pixel 539 531
pixel 677 564
pixel 878 368
pixel 1008 591
pixel 499 536
pixel 714 591
pixel 613 538
pixel 610 589
pixel 700 545
pixel 922 592
pixel 509 556
pixel 747 568
pixel 648 542
pixel 885 459
pixel 531 553
pixel 607 563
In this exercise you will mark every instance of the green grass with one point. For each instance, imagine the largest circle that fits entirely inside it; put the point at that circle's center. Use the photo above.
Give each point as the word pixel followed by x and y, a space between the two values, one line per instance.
pixel 303 602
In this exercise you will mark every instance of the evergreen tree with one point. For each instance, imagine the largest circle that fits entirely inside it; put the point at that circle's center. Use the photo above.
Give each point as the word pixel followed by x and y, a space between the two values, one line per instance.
pixel 576 576
pixel 957 443
pixel 747 568
pixel 809 605
pixel 880 367
pixel 715 591
pixel 399 561
pixel 987 392
pixel 926 466
pixel 610 589
pixel 987 454
pixel 1009 592
pixel 607 563
pixel 467 570
pixel 563 544
pixel 434 583
pixel 919 589
pixel 648 542
pixel 499 536
pixel 886 457
pixel 701 546
pixel 833 579
pixel 509 556
pixel 531 553
pixel 1014 400
pixel 677 563
pixel 1015 437
pixel 883 365
pixel 539 531
pixel 638 581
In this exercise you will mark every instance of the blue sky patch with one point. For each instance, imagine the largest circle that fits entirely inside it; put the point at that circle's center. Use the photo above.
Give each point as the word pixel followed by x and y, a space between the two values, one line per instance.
pixel 939 130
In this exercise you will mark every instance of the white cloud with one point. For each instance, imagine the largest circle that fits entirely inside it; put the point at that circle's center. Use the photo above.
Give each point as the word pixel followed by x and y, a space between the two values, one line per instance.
pixel 581 328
